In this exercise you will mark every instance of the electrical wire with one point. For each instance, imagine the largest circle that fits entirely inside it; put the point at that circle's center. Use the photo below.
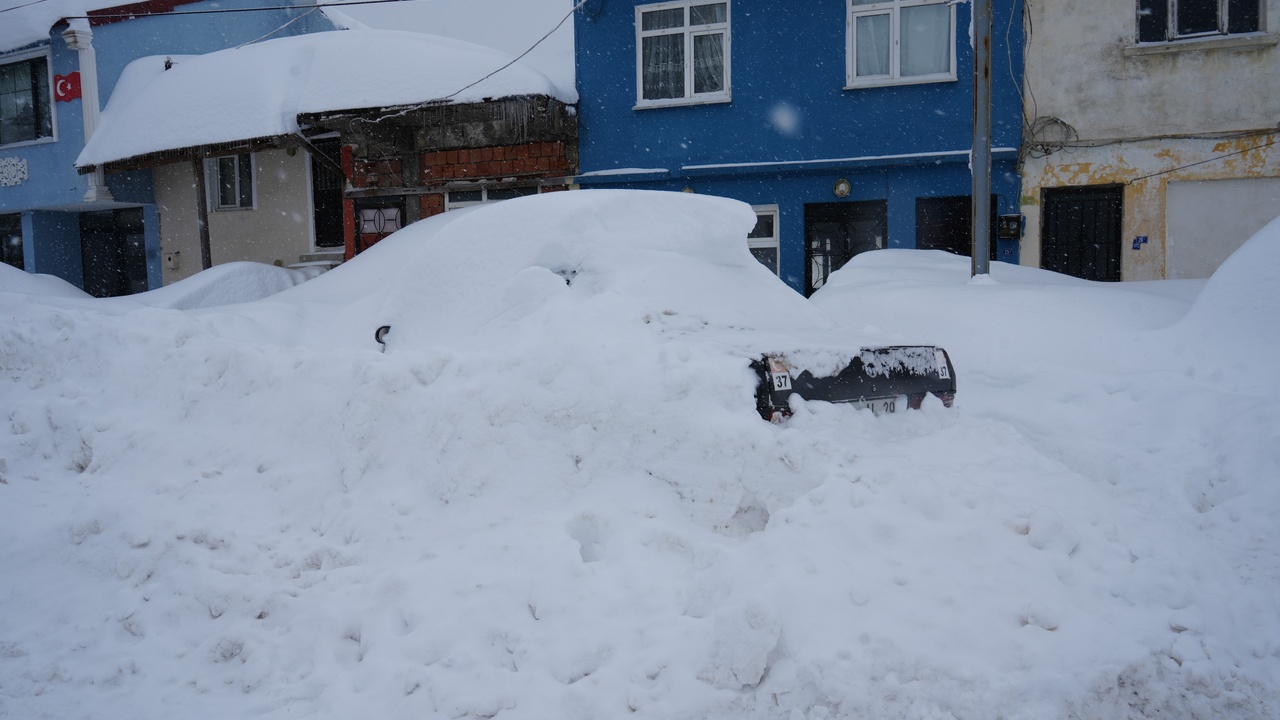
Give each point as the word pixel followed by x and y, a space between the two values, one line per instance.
pixel 273 32
pixel 219 11
pixel 1201 162
pixel 455 93
pixel 19 7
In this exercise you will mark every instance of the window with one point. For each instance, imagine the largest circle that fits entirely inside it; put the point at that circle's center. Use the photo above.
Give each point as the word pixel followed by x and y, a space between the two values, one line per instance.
pixel 763 238
pixel 230 180
pixel 25 114
pixel 682 53
pixel 465 198
pixel 11 240
pixel 1165 20
pixel 896 42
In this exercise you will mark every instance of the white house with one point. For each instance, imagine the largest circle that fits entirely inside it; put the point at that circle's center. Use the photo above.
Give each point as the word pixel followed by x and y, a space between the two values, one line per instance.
pixel 1149 149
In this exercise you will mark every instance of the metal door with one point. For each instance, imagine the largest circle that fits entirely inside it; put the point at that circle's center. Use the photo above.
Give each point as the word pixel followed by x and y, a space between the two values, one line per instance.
pixel 835 232
pixel 1081 231
pixel 326 196
pixel 946 223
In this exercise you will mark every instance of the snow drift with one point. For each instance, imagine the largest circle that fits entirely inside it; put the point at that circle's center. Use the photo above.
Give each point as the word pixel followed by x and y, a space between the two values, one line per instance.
pixel 551 497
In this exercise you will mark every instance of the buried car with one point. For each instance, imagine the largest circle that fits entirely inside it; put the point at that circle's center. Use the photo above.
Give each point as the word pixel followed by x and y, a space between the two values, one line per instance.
pixel 639 296
pixel 880 379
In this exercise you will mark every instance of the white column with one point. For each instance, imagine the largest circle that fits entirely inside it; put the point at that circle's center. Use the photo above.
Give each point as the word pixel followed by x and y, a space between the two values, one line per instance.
pixel 80 38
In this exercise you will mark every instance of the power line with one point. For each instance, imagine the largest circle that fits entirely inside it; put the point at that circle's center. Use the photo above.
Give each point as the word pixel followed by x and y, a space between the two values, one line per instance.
pixel 19 7
pixel 519 57
pixel 513 61
pixel 1202 162
pixel 215 11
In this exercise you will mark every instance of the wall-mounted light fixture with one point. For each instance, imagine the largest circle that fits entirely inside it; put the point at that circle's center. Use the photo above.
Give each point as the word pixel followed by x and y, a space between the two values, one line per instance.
pixel 841 188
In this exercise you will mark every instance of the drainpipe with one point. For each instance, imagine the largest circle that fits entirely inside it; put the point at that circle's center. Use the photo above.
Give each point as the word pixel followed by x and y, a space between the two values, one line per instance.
pixel 980 155
pixel 80 38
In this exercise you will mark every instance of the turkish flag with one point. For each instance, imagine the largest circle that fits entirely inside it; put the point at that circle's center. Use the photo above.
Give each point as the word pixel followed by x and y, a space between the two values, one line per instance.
pixel 66 87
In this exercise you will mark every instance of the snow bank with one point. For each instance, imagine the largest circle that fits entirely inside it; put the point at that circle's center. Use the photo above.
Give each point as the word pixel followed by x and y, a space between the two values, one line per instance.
pixel 551 497
pixel 13 280
pixel 225 284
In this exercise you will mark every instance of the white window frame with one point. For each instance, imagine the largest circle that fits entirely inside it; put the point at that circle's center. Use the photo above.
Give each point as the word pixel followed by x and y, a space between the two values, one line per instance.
pixel 213 182
pixel 379 220
pixel 25 56
pixel 893 8
pixel 689 32
pixel 769 242
pixel 450 204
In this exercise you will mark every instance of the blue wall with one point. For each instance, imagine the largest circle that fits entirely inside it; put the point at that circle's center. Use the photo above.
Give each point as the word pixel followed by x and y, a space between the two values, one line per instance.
pixel 53 183
pixel 788 61
pixel 55 243
pixel 53 179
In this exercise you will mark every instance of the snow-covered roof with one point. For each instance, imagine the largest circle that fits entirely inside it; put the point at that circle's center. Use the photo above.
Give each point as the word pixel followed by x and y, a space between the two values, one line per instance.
pixel 258 91
pixel 23 22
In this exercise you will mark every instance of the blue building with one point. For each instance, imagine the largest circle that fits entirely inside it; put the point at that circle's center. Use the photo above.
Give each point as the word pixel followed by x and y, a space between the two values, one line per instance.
pixel 97 232
pixel 845 123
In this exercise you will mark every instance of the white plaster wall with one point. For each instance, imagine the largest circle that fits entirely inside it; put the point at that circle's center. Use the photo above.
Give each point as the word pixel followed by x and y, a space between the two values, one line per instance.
pixel 1081 67
pixel 1147 169
pixel 1210 219
pixel 277 231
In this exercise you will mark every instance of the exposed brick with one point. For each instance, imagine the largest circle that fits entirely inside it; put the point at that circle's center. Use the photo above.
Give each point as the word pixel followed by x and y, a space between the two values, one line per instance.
pixel 431 205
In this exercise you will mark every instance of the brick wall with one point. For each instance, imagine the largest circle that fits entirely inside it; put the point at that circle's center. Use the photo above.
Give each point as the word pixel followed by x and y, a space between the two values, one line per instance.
pixel 529 161
pixel 545 159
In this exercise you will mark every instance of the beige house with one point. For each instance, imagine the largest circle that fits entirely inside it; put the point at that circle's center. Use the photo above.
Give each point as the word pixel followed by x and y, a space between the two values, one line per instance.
pixel 1150 141
pixel 307 149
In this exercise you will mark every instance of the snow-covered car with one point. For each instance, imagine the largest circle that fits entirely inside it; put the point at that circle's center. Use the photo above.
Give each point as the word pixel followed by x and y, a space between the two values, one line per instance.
pixel 641 270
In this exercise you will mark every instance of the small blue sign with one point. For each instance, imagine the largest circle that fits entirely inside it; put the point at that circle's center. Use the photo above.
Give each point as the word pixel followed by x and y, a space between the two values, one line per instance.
pixel 1139 241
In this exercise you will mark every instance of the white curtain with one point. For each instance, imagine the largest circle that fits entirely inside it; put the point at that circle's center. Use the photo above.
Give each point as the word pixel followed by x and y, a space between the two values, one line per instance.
pixel 872 43
pixel 663 73
pixel 926 40
pixel 708 63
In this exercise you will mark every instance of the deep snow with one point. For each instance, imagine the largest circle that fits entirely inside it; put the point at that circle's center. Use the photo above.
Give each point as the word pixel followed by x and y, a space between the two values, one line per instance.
pixel 551 495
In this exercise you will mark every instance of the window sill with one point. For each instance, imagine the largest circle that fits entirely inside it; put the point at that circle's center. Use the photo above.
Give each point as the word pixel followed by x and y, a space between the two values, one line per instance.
pixel 682 102
pixel 1229 42
pixel 28 143
pixel 232 209
pixel 892 82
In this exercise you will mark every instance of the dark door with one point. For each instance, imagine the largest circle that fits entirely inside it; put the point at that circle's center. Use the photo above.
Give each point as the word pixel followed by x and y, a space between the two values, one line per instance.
pixel 835 232
pixel 11 240
pixel 113 252
pixel 326 195
pixel 1081 231
pixel 946 223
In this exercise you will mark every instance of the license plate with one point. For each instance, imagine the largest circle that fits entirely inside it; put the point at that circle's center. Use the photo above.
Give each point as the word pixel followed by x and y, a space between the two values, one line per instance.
pixel 881 406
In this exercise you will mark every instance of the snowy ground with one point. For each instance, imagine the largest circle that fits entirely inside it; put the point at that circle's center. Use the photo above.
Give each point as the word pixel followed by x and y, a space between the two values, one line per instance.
pixel 551 496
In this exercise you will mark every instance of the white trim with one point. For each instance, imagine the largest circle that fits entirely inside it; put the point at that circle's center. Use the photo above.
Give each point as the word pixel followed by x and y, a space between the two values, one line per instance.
pixel 1242 41
pixel 213 183
pixel 863 158
pixel 484 196
pixel 688 32
pixel 775 241
pixel 893 8
pixel 45 51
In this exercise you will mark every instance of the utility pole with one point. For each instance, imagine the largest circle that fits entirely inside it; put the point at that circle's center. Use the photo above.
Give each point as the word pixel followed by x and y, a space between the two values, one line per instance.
pixel 980 155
